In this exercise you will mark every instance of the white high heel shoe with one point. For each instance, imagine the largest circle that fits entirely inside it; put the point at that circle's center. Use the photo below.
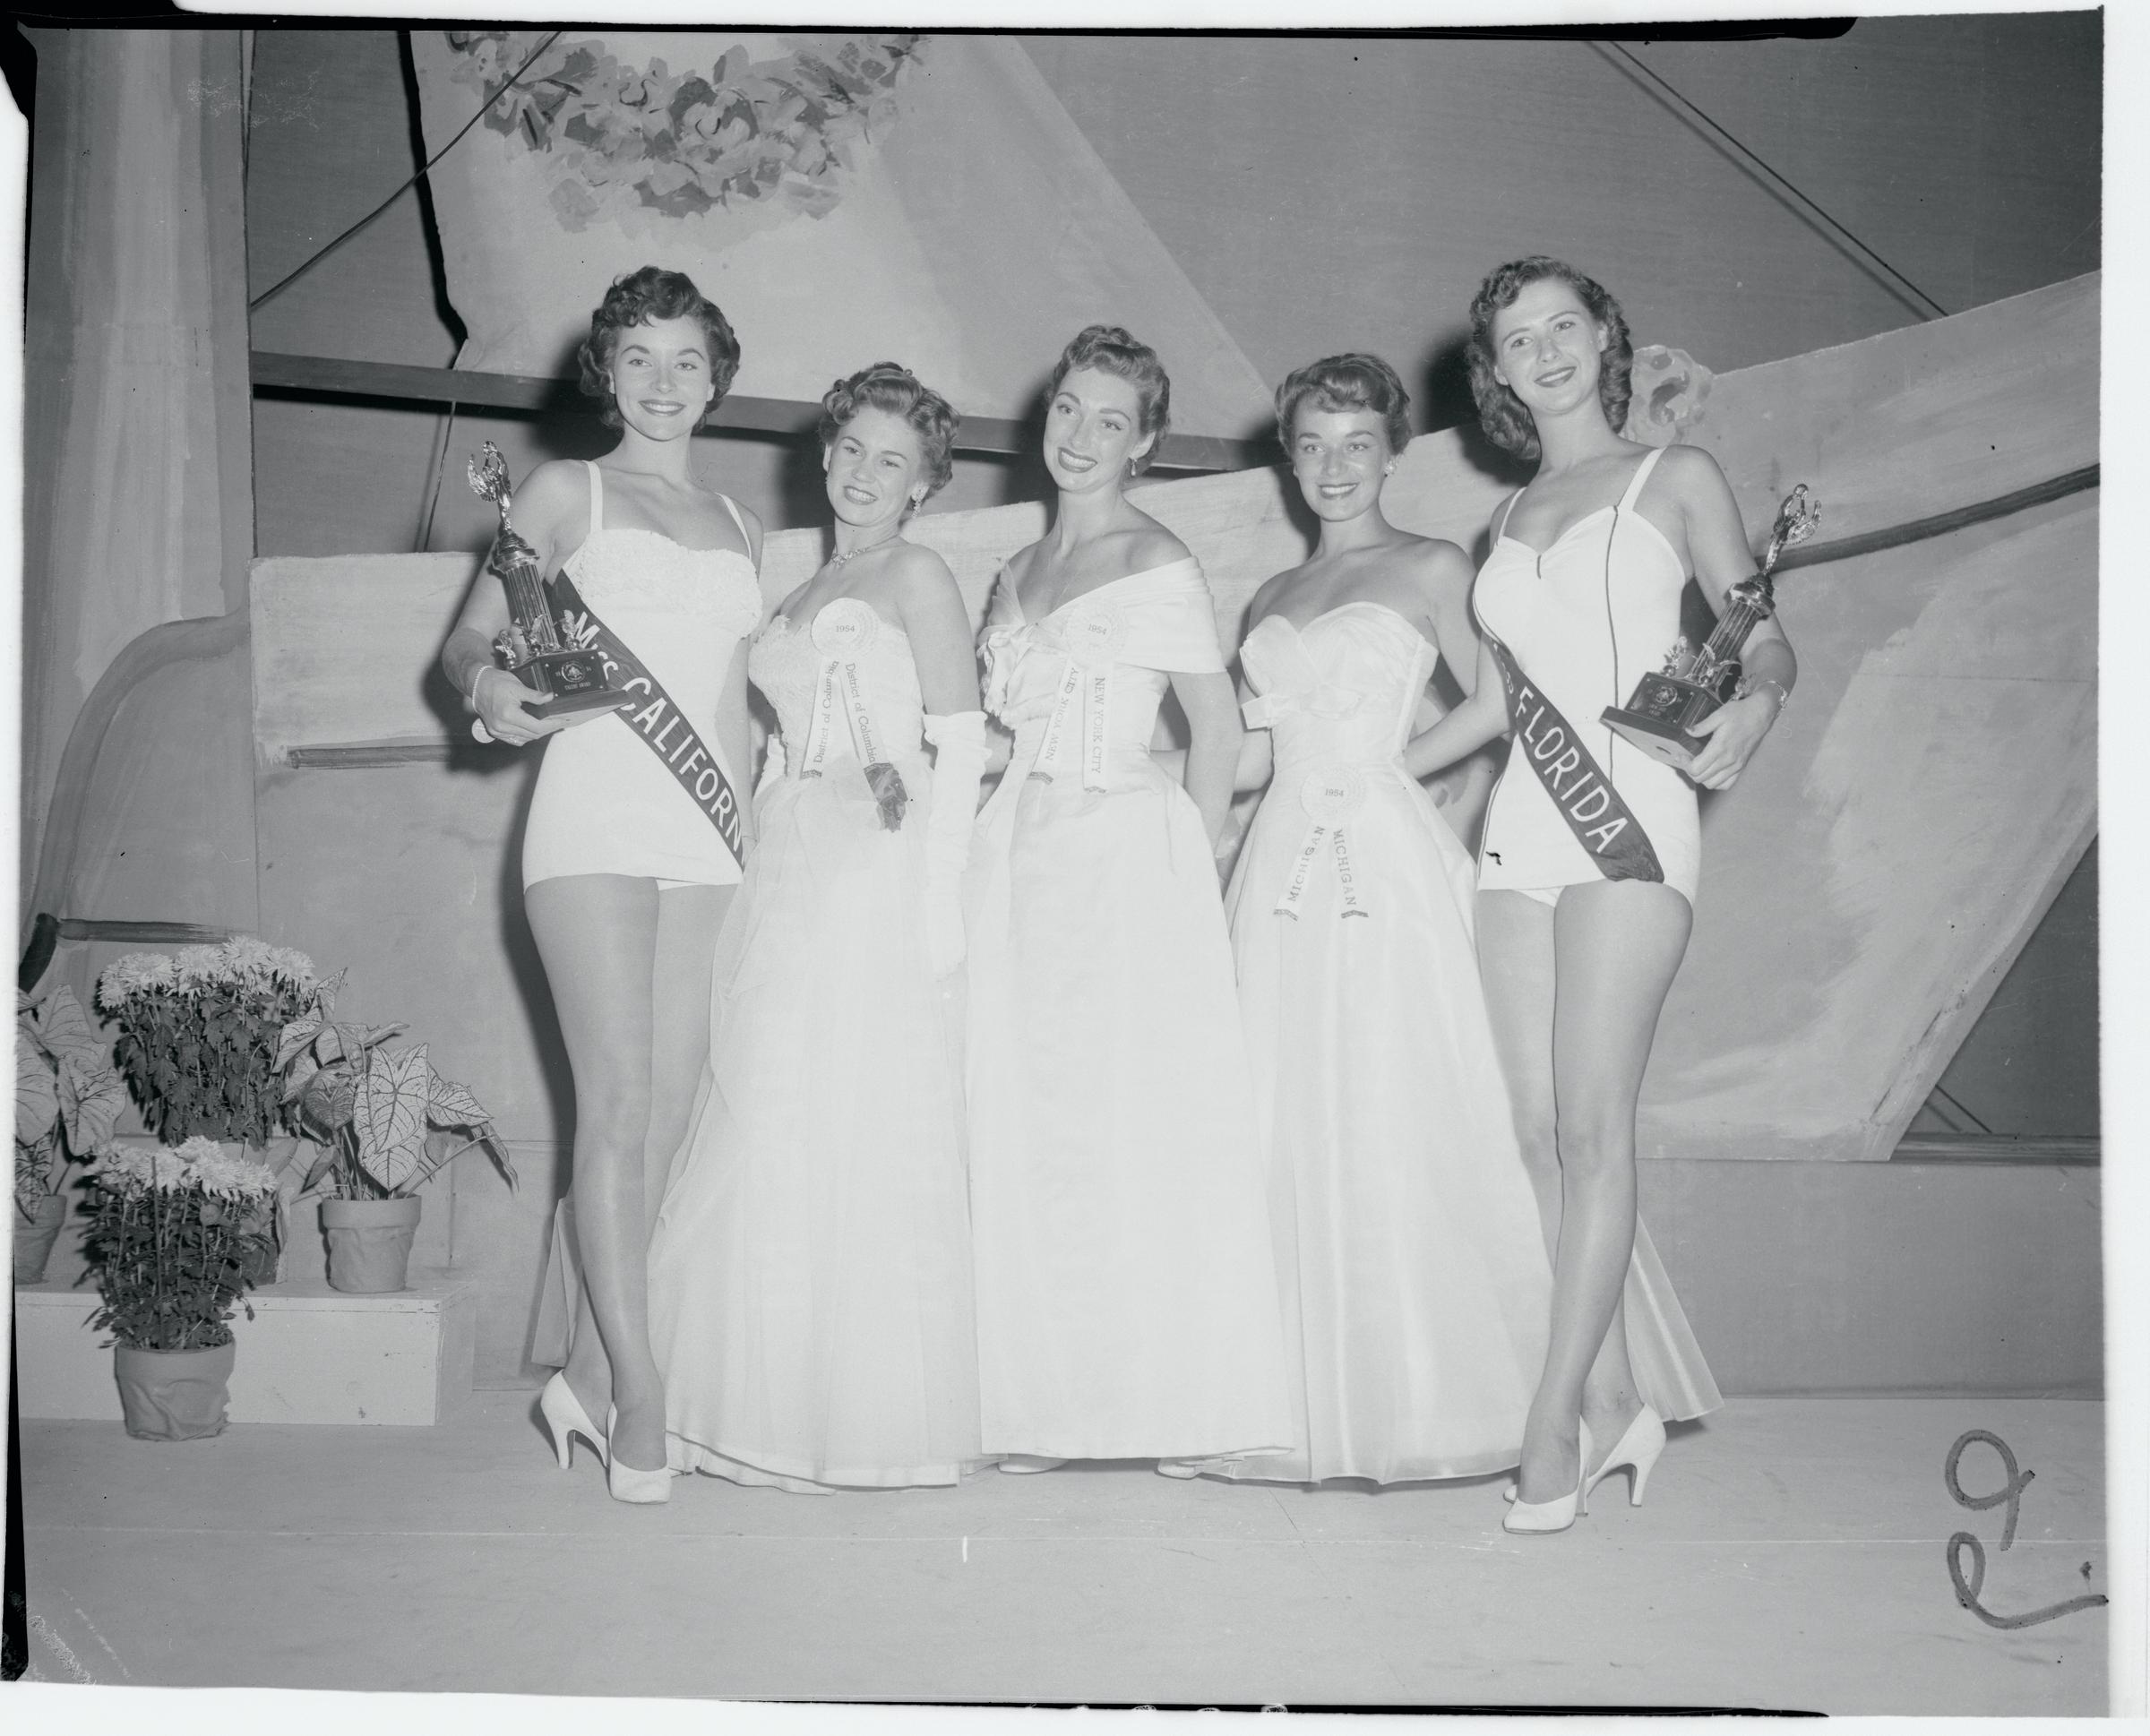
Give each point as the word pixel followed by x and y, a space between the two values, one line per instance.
pixel 565 1419
pixel 1542 1518
pixel 1637 1448
pixel 642 1488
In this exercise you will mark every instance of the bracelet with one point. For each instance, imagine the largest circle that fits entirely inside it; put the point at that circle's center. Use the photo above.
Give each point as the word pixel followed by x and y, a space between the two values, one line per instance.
pixel 1750 684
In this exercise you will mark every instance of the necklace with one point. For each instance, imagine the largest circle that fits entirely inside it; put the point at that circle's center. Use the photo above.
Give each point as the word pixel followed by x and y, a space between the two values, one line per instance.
pixel 836 562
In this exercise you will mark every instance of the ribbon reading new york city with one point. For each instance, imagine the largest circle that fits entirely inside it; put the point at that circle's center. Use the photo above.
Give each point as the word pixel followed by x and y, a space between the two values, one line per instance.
pixel 1549 744
pixel 659 722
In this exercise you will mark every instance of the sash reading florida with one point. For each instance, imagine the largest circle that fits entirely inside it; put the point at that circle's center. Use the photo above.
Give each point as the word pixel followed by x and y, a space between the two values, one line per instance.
pixel 659 721
pixel 1545 741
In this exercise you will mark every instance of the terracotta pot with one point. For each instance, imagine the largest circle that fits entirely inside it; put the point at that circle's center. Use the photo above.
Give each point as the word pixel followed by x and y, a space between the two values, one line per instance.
pixel 36 1229
pixel 369 1242
pixel 173 1395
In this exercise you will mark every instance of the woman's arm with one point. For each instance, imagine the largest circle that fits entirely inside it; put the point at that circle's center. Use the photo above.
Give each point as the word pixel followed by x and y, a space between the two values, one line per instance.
pixel 930 608
pixel 541 506
pixel 735 737
pixel 1479 720
pixel 1214 731
pixel 1717 545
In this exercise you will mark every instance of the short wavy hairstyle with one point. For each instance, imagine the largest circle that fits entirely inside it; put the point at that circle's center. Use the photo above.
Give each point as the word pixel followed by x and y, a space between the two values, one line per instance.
pixel 654 293
pixel 1352 381
pixel 893 388
pixel 1113 349
pixel 1501 413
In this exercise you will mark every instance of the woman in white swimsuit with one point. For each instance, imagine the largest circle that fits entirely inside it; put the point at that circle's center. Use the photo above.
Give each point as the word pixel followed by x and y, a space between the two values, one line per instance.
pixel 626 867
pixel 1589 867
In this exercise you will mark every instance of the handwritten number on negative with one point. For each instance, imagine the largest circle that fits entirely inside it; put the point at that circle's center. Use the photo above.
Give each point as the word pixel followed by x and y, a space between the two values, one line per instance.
pixel 2010 1492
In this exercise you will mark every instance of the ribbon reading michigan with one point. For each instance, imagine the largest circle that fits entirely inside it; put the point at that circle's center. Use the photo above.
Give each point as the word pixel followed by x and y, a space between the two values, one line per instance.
pixel 1548 744
pixel 658 721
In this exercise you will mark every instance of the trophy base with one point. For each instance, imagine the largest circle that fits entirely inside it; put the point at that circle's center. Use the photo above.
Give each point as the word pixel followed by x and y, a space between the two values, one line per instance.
pixel 1658 737
pixel 568 705
pixel 572 681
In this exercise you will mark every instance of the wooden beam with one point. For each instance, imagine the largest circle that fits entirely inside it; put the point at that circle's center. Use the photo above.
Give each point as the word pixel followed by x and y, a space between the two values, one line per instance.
pixel 277 373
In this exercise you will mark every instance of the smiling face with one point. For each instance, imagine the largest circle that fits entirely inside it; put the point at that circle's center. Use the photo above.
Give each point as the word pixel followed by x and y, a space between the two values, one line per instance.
pixel 1093 428
pixel 874 466
pixel 661 377
pixel 1546 348
pixel 1340 458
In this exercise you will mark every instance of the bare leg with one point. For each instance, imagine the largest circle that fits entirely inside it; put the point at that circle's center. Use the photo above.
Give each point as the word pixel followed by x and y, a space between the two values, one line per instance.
pixel 597 936
pixel 1617 945
pixel 1516 961
pixel 687 920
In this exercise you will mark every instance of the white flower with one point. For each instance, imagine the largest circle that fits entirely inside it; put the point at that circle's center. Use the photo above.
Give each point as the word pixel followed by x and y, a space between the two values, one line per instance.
pixel 137 972
pixel 247 959
pixel 227 1176
pixel 196 967
pixel 293 967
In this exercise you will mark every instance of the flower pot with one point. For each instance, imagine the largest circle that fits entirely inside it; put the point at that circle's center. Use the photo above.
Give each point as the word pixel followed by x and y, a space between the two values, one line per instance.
pixel 369 1242
pixel 36 1229
pixel 173 1395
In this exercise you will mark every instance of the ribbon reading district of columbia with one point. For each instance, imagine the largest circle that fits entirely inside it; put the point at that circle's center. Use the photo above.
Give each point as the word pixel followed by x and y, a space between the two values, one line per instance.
pixel 659 722
pixel 840 632
pixel 1548 742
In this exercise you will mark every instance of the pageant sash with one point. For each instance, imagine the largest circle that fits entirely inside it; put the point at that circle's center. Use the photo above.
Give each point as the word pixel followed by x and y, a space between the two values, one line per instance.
pixel 1603 824
pixel 1330 795
pixel 660 723
pixel 1091 639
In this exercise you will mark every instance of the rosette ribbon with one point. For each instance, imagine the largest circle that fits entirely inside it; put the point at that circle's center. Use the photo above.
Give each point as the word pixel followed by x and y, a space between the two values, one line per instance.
pixel 1090 638
pixel 1330 795
pixel 841 630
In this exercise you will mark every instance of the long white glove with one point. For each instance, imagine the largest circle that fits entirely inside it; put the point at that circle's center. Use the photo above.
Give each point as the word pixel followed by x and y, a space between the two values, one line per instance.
pixel 959 743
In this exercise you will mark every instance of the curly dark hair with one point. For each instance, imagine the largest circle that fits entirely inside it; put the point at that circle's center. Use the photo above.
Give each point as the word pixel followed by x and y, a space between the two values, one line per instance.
pixel 1353 381
pixel 1501 413
pixel 654 293
pixel 891 387
pixel 1113 349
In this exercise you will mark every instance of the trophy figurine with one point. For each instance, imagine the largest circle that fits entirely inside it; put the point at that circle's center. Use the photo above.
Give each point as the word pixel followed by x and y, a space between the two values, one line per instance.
pixel 1693 684
pixel 532 649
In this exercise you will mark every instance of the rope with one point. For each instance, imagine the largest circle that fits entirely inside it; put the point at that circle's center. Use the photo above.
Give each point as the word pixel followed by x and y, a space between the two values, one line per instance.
pixel 1607 50
pixel 277 288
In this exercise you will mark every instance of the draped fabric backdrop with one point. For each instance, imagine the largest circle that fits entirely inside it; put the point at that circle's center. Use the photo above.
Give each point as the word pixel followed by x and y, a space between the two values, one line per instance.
pixel 844 199
pixel 138 491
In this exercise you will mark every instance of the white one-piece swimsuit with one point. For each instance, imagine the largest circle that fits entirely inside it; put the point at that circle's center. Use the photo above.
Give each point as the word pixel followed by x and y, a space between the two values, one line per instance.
pixel 605 804
pixel 1584 618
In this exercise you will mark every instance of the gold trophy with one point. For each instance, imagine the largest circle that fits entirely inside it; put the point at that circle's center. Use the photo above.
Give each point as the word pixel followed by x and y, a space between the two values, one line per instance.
pixel 533 648
pixel 1693 684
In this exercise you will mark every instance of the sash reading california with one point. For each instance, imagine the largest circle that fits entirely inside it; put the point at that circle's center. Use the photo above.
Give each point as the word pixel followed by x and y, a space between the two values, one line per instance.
pixel 658 721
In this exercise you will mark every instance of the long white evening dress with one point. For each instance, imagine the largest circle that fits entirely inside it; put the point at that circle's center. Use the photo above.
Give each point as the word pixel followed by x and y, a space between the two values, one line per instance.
pixel 810 1290
pixel 1126 1292
pixel 1416 1289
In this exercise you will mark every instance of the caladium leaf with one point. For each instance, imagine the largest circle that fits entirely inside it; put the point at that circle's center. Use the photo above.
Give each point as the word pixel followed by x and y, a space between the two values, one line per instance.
pixel 390 1115
pixel 452 1105
pixel 90 1100
pixel 329 1100
pixel 65 1032
pixel 37 1091
pixel 294 1038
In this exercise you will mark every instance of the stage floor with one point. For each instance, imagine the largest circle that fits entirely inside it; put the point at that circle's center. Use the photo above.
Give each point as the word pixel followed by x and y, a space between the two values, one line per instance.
pixel 1793 1555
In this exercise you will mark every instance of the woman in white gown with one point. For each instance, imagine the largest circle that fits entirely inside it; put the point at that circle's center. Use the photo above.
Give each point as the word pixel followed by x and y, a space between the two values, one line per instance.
pixel 1126 1295
pixel 810 1302
pixel 1416 1288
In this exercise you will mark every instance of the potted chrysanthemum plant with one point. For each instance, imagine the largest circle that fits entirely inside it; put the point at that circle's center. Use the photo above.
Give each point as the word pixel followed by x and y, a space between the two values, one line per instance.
pixel 174 1245
pixel 387 1124
pixel 67 1096
pixel 198 1032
